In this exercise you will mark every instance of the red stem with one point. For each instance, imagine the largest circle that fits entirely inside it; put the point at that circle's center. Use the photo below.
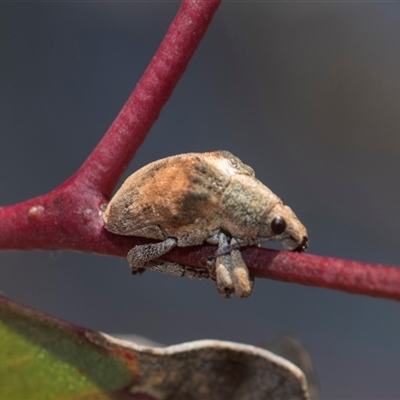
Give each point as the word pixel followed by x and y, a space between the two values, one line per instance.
pixel 344 275
pixel 112 155
pixel 69 217
pixel 333 273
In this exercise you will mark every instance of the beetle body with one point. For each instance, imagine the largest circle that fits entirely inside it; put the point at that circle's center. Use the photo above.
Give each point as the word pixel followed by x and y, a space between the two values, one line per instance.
pixel 195 197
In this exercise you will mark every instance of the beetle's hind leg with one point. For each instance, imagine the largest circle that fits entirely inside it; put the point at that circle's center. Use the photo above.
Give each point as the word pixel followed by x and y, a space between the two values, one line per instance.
pixel 140 255
pixel 171 268
pixel 141 258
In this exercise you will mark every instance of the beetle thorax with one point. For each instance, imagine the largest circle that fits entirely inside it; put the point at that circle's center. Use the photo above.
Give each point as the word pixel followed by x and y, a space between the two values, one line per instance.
pixel 245 203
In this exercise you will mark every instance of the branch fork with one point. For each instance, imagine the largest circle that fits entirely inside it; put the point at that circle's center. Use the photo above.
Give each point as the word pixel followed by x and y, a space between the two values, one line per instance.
pixel 70 216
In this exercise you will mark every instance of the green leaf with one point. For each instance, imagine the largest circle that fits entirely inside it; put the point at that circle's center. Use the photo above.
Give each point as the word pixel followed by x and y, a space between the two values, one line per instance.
pixel 43 357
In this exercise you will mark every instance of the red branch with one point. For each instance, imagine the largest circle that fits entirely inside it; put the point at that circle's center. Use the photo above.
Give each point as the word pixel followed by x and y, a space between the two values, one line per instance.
pixel 305 269
pixel 69 217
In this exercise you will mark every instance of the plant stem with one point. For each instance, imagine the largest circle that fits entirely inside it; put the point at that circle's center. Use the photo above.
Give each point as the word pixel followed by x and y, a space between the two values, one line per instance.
pixel 327 272
pixel 112 155
pixel 70 217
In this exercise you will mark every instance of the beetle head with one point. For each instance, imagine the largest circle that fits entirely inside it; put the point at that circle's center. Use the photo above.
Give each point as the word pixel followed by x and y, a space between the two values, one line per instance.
pixel 281 224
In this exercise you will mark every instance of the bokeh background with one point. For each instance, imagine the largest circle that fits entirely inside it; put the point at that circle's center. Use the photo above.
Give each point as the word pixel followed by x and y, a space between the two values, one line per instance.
pixel 307 93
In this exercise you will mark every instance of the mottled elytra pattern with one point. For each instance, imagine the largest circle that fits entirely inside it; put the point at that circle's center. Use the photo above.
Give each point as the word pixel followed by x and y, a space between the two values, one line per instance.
pixel 193 198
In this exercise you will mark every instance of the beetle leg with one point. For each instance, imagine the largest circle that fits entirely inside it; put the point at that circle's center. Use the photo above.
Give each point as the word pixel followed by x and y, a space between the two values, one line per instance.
pixel 242 282
pixel 141 258
pixel 223 276
pixel 248 242
pixel 236 244
pixel 214 239
pixel 140 255
pixel 165 267
pixel 193 273
pixel 223 269
pixel 175 269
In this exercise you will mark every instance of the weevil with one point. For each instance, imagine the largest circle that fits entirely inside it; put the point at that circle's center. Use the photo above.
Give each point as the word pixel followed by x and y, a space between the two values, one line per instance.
pixel 189 199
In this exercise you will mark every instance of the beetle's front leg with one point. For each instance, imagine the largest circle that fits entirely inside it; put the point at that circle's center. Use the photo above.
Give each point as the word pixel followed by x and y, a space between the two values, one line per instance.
pixel 222 268
pixel 242 281
pixel 228 269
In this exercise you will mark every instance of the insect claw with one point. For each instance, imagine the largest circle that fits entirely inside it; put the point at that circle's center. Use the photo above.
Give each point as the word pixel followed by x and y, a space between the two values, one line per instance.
pixel 137 271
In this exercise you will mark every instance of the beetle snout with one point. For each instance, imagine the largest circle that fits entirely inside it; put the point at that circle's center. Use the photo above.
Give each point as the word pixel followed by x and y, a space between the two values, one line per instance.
pixel 303 245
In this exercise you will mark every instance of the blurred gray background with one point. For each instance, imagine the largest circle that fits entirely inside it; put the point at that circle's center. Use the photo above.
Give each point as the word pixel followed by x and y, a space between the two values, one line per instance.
pixel 306 93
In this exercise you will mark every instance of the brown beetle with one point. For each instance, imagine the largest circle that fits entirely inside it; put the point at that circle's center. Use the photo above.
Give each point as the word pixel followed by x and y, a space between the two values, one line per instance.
pixel 193 198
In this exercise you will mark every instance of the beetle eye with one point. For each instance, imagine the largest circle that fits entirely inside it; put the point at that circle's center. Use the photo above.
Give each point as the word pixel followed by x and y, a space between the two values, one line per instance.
pixel 278 225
